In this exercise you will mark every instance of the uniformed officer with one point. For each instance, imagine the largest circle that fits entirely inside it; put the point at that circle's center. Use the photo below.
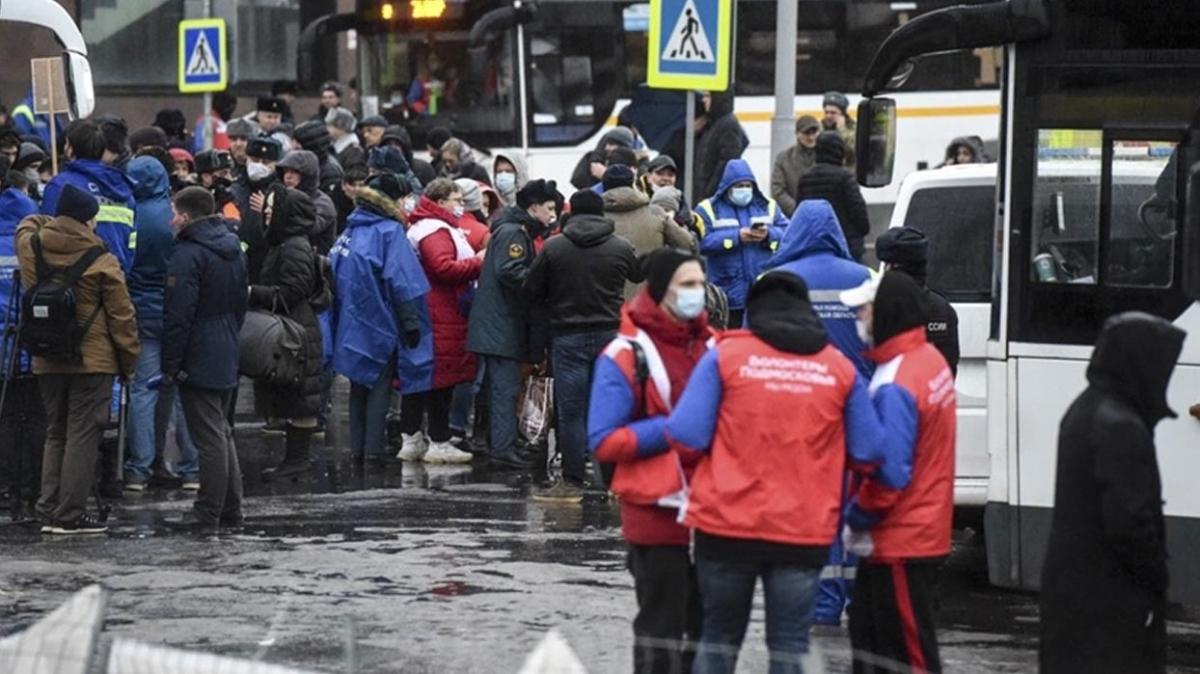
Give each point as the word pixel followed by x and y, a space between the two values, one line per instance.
pixel 906 249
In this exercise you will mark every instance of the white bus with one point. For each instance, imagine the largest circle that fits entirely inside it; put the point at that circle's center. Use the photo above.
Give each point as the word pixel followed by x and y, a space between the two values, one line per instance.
pixel 78 72
pixel 1113 89
pixel 548 78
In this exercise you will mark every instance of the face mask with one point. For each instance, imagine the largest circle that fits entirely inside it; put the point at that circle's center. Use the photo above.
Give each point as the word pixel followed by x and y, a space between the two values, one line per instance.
pixel 689 302
pixel 221 183
pixel 864 332
pixel 410 203
pixel 506 182
pixel 257 172
pixel 741 196
pixel 458 211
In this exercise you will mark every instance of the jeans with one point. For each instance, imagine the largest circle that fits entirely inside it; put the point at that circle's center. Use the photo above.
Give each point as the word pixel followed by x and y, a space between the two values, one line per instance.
pixel 149 415
pixel 368 416
pixel 220 496
pixel 464 402
pixel 727 590
pixel 77 409
pixel 504 387
pixel 572 360
pixel 436 404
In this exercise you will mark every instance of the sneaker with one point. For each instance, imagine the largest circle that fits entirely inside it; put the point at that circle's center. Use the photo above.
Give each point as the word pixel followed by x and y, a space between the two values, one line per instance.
pixel 414 447
pixel 444 452
pixel 86 524
pixel 561 492
pixel 275 427
pixel 135 482
pixel 190 483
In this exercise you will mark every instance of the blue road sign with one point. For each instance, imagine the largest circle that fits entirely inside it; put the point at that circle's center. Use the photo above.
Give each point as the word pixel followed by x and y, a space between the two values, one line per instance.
pixel 203 63
pixel 688 45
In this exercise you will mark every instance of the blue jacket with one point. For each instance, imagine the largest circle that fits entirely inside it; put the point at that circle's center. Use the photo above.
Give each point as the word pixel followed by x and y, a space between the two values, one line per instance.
pixel 734 265
pixel 815 249
pixel 26 123
pixel 205 304
pixel 379 295
pixel 15 205
pixel 154 244
pixel 114 190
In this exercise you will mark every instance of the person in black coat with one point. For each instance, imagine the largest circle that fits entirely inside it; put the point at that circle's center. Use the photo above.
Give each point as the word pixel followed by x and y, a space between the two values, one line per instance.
pixel 905 249
pixel 722 139
pixel 1104 583
pixel 285 286
pixel 204 306
pixel 828 179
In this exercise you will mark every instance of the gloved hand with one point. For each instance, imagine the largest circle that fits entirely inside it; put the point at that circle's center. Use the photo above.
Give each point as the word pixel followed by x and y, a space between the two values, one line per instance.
pixel 156 382
pixel 412 338
pixel 857 542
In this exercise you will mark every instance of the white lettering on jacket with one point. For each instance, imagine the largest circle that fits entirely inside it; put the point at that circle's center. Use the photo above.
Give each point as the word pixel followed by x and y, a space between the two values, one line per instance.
pixel 790 375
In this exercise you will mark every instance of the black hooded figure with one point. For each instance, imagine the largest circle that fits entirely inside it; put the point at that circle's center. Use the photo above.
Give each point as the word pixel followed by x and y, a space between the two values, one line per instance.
pixel 830 180
pixel 721 140
pixel 1104 583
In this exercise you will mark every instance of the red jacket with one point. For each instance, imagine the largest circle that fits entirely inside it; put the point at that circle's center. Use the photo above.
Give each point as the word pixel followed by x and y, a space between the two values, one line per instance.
pixel 779 429
pixel 477 232
pixel 625 422
pixel 913 389
pixel 451 270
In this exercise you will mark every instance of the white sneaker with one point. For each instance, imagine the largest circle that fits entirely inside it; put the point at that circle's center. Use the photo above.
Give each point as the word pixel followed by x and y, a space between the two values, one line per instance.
pixel 444 452
pixel 413 447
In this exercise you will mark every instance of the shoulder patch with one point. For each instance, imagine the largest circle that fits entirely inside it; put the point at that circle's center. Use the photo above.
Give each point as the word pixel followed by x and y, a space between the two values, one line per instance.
pixel 515 251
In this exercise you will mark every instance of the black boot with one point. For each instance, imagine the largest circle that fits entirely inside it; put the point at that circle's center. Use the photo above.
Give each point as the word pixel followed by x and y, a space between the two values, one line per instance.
pixel 297 456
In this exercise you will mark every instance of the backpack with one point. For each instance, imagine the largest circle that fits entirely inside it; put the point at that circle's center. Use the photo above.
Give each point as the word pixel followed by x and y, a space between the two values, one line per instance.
pixel 322 297
pixel 49 325
pixel 717 304
pixel 641 372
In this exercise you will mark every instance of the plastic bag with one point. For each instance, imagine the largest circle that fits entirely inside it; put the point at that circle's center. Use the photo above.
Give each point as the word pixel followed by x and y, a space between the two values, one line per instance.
pixel 537 409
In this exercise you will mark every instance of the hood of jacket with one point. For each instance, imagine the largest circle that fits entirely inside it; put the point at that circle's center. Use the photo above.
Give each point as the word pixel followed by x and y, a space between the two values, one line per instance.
pixel 618 135
pixel 377 203
pixel 149 178
pixel 624 199
pixel 15 205
pixel 899 307
pixel 297 216
pixel 214 234
pixel 973 142
pixel 779 312
pixel 1134 358
pixel 429 209
pixel 814 229
pixel 831 149
pixel 736 171
pixel 518 163
pixel 721 105
pixel 586 230
pixel 307 165
pixel 112 181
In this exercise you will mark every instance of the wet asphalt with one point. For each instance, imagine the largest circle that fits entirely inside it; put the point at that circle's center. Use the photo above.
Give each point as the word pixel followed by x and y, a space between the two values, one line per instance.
pixel 414 568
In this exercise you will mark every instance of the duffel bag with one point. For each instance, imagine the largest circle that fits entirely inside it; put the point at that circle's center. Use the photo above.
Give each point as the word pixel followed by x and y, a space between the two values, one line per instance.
pixel 271 348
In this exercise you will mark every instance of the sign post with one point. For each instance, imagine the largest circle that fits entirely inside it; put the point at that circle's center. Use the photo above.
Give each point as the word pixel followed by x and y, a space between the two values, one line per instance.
pixel 203 63
pixel 50 97
pixel 689 48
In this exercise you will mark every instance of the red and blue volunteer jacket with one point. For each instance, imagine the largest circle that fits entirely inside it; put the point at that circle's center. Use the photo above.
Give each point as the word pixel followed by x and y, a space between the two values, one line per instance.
pixel 913 392
pixel 627 423
pixel 779 429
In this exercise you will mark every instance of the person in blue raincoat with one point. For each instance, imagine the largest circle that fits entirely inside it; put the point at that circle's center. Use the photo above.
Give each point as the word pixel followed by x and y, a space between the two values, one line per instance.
pixel 26 123
pixel 91 170
pixel 815 249
pixel 742 227
pixel 380 325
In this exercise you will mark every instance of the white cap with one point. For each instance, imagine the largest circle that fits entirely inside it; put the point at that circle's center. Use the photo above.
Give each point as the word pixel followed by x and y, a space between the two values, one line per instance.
pixel 863 294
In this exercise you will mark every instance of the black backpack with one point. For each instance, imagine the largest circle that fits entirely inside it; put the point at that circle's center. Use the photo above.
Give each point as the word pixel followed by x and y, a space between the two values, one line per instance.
pixel 49 325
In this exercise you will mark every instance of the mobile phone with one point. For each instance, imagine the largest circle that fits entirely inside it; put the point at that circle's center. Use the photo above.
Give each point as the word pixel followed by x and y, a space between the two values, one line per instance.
pixel 758 226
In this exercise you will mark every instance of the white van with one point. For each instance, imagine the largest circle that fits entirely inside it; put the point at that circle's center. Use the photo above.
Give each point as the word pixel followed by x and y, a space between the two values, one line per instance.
pixel 955 207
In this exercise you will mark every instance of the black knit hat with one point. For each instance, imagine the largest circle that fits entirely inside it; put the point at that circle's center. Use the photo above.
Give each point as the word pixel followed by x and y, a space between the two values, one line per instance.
pixel 438 136
pixel 902 246
pixel 150 135
pixel 271 104
pixel 536 192
pixel 586 201
pixel 617 175
pixel 76 204
pixel 658 267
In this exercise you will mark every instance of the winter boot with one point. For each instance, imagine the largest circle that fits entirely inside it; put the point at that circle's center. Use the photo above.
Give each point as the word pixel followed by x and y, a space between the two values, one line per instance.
pixel 414 447
pixel 297 458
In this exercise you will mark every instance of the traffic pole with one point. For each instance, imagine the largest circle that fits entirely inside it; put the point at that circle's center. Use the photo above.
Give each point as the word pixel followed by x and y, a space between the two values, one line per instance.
pixel 207 112
pixel 783 132
pixel 689 147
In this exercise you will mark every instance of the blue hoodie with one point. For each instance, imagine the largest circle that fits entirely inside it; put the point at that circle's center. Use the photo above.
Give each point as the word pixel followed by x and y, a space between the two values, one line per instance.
pixel 114 190
pixel 379 293
pixel 733 265
pixel 155 242
pixel 15 205
pixel 815 249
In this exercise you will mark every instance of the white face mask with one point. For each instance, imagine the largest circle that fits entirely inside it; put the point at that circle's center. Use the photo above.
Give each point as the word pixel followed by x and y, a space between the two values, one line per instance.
pixel 689 302
pixel 506 182
pixel 257 172
pixel 458 211
pixel 864 332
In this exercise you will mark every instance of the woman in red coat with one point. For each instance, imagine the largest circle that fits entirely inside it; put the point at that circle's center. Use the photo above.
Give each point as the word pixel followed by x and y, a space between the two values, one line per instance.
pixel 452 267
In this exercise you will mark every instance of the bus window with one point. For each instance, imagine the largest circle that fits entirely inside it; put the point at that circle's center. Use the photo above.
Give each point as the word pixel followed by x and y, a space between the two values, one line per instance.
pixel 1066 206
pixel 960 224
pixel 1141 236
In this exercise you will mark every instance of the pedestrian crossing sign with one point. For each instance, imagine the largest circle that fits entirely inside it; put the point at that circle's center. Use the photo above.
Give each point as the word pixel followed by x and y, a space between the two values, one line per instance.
pixel 689 44
pixel 203 62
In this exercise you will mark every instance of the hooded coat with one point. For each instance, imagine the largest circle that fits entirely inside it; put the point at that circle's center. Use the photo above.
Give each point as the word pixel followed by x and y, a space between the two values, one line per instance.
pixel 815 249
pixel 828 179
pixel 581 176
pixel 379 295
pixel 579 277
pixel 1104 582
pixel 452 268
pixel 974 143
pixel 287 282
pixel 155 243
pixel 205 306
pixel 646 226
pixel 305 163
pixel 723 140
pixel 114 190
pixel 509 198
pixel 110 345
pixel 15 205
pixel 733 264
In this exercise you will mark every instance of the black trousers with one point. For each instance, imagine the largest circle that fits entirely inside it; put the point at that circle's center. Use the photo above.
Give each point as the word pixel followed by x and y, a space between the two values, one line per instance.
pixel 22 439
pixel 220 495
pixel 436 403
pixel 893 617
pixel 667 626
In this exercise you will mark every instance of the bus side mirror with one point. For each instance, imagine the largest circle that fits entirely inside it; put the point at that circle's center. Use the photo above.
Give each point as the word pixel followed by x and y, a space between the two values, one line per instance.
pixel 1191 234
pixel 876 141
pixel 79 84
